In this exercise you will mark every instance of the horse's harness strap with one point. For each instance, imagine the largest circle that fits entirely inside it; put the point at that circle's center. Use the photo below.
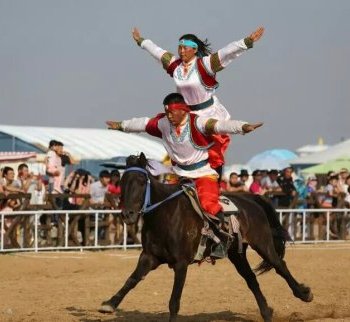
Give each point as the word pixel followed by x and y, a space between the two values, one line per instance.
pixel 147 207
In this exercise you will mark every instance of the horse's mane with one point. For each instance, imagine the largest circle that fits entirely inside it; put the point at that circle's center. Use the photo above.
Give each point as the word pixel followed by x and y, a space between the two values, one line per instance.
pixel 142 162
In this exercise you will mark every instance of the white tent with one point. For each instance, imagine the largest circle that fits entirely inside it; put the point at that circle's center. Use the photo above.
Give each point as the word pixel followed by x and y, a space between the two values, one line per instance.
pixel 334 152
pixel 85 143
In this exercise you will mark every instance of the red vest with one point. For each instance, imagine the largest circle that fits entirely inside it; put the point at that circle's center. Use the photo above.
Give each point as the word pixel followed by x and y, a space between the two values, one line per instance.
pixel 216 144
pixel 199 140
pixel 207 80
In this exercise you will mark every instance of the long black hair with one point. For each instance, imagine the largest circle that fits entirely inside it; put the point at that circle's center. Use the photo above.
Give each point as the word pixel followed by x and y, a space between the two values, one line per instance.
pixel 203 46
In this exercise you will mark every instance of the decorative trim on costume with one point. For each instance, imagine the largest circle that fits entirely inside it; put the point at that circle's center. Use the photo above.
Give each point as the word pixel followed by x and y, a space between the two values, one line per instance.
pixel 215 63
pixel 139 42
pixel 249 42
pixel 207 80
pixel 166 59
pixel 210 126
pixel 206 141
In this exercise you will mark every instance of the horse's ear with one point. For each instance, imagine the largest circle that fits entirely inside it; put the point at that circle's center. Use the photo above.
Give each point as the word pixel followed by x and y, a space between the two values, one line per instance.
pixel 143 160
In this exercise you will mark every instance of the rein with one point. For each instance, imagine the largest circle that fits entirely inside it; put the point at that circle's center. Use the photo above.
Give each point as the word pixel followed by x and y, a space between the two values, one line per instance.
pixel 147 206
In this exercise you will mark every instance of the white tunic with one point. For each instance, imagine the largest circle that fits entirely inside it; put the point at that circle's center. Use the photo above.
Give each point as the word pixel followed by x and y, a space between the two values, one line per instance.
pixel 181 148
pixel 189 85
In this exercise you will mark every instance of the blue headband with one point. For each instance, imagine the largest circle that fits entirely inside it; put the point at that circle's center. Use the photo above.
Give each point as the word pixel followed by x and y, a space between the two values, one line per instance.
pixel 188 43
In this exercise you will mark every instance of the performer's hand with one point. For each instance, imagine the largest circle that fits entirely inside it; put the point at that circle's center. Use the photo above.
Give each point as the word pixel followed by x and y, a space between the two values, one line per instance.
pixel 114 125
pixel 136 34
pixel 251 127
pixel 257 34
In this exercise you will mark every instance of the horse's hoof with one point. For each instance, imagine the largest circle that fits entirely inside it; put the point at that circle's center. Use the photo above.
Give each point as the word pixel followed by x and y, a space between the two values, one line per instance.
pixel 106 308
pixel 310 297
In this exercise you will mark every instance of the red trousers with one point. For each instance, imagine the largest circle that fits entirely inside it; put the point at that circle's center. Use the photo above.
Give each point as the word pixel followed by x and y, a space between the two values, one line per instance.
pixel 208 194
pixel 216 152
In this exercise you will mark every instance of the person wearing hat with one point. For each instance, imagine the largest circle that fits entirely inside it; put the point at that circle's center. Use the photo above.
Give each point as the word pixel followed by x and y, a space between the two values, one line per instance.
pixel 194 73
pixel 256 187
pixel 270 181
pixel 244 179
pixel 187 138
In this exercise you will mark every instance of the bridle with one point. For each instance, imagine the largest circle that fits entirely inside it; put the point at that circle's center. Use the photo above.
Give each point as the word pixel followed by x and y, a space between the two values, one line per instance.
pixel 147 206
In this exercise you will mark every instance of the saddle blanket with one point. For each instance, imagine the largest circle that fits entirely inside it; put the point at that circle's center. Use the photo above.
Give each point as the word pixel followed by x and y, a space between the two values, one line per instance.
pixel 227 205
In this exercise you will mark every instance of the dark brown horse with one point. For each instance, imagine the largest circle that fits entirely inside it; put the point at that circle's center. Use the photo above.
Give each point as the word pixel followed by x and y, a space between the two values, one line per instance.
pixel 171 234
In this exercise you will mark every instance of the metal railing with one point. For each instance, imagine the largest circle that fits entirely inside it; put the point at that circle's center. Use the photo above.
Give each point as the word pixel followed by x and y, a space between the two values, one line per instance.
pixel 300 223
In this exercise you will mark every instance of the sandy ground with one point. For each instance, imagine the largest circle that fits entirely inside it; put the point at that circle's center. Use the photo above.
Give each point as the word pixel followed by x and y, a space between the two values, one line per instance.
pixel 69 286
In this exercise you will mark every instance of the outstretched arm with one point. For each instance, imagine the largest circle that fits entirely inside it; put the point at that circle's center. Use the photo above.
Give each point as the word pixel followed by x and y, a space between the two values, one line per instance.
pixel 226 55
pixel 213 126
pixel 161 55
pixel 135 125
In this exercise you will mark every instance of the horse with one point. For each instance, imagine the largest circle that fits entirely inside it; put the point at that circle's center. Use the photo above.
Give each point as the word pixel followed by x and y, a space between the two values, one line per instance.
pixel 171 234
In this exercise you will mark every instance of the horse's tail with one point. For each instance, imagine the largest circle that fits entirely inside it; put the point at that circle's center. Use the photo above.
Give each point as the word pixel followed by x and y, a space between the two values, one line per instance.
pixel 279 234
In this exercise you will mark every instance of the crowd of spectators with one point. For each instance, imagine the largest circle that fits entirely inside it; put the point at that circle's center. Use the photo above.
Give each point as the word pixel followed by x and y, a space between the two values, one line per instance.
pixel 285 187
pixel 80 190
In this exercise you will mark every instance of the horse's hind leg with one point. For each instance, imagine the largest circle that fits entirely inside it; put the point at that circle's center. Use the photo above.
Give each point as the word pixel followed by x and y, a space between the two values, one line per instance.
pixel 145 264
pixel 268 253
pixel 180 270
pixel 241 263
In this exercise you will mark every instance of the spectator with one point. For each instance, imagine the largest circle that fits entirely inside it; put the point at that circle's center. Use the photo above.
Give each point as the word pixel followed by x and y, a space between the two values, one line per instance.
pixel 8 181
pixel 114 185
pixel 54 168
pixel 286 183
pixel 244 178
pixel 99 188
pixel 256 187
pixel 343 175
pixel 10 206
pixel 78 182
pixel 66 159
pixel 332 192
pixel 32 184
pixel 270 181
pixel 234 184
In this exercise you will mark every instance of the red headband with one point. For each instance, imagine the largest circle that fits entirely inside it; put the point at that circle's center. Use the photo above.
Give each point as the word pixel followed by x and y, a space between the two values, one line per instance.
pixel 177 106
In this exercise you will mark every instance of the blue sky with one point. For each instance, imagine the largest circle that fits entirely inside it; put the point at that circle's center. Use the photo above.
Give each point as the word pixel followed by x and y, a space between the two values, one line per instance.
pixel 74 64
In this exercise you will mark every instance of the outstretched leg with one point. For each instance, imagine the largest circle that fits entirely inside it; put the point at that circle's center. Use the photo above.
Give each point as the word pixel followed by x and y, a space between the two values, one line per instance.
pixel 268 253
pixel 180 270
pixel 241 263
pixel 145 264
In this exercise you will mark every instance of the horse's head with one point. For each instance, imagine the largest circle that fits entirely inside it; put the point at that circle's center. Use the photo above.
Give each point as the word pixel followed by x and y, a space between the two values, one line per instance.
pixel 133 188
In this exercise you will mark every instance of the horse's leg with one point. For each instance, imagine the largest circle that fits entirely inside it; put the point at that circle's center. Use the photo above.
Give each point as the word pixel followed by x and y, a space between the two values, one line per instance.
pixel 241 263
pixel 268 253
pixel 180 270
pixel 145 264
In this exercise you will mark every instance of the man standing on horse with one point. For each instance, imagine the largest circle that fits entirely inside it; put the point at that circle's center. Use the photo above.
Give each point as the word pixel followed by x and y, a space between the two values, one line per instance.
pixel 187 138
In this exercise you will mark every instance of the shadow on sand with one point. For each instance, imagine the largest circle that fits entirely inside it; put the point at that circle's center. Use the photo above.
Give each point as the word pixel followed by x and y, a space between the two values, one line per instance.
pixel 137 316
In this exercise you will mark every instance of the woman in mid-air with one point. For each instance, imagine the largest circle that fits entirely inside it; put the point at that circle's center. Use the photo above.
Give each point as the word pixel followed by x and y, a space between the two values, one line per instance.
pixel 194 74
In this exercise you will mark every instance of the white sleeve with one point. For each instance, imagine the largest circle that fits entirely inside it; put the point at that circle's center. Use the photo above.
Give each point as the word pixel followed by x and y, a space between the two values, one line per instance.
pixel 135 124
pixel 221 126
pixel 231 51
pixel 229 127
pixel 153 49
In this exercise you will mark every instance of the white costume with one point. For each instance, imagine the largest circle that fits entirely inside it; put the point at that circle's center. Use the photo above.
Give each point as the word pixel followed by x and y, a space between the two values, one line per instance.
pixel 181 146
pixel 190 84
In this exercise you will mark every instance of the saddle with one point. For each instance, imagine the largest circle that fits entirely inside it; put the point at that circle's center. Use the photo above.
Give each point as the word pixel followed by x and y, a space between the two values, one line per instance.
pixel 222 238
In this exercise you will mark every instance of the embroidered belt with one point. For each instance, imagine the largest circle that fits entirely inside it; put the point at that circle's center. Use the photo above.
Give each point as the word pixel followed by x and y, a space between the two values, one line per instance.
pixel 203 105
pixel 193 166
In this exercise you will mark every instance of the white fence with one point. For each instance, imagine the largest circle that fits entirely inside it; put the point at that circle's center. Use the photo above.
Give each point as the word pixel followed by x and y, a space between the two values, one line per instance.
pixel 302 225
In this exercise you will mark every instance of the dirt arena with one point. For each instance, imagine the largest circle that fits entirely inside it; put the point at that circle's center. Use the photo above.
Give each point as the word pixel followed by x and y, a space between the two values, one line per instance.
pixel 69 286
